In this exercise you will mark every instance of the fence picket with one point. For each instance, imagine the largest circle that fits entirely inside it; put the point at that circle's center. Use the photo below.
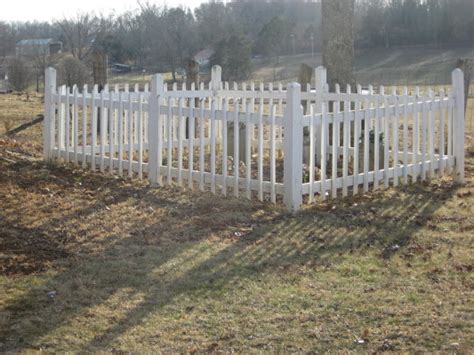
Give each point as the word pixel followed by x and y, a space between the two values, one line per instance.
pixel 248 152
pixel 357 123
pixel 236 147
pixel 441 150
pixel 345 144
pixel 94 126
pixel 201 145
pixel 191 135
pixel 272 155
pixel 102 131
pixel 120 133
pixel 112 130
pixel 67 124
pixel 180 141
pixel 84 125
pixel 260 153
pixel 405 135
pixel 140 135
pixel 75 124
pixel 224 145
pixel 324 145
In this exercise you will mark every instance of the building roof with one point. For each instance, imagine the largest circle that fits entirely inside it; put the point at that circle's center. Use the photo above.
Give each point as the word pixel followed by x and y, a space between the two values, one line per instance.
pixel 35 42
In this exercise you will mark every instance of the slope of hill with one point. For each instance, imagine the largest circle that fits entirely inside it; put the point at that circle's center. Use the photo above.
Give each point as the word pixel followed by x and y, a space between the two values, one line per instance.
pixel 389 66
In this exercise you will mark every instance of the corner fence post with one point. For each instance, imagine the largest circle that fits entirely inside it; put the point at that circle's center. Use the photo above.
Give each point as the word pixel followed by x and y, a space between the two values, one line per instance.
pixel 153 128
pixel 458 124
pixel 320 75
pixel 49 111
pixel 293 148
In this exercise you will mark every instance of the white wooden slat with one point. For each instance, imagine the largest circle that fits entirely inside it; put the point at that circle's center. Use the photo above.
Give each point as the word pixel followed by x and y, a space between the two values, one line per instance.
pixel 405 135
pixel 139 130
pixel 395 128
pixel 441 149
pixel 201 145
pixel 146 91
pixel 120 133
pixel 112 131
pixel 367 127
pixel 75 129
pixel 117 117
pixel 130 117
pixel 236 147
pixel 84 126
pixel 345 139
pixel 450 131
pixel 224 146
pixel 416 133
pixel 324 140
pixel 213 145
pixel 191 135
pixel 125 117
pixel 260 154
pixel 136 118
pixel 272 155
pixel 180 141
pixel 335 144
pixel 431 132
pixel 280 112
pixel 356 138
pixel 378 115
pixel 94 127
pixel 248 153
pixel 312 152
pixel 161 134
pixel 424 119
pixel 68 124
pixel 386 153
pixel 102 131
pixel 170 137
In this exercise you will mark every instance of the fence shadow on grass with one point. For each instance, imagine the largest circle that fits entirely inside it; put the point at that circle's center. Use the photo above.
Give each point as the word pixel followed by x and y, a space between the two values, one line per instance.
pixel 157 264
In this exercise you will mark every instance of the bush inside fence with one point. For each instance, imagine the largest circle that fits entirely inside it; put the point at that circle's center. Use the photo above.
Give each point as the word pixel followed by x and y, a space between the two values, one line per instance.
pixel 261 141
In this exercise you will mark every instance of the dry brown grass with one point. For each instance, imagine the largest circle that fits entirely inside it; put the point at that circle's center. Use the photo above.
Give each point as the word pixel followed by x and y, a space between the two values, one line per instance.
pixel 133 268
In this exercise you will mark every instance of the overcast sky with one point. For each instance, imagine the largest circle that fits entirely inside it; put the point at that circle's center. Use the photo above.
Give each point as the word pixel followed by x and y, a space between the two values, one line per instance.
pixel 46 10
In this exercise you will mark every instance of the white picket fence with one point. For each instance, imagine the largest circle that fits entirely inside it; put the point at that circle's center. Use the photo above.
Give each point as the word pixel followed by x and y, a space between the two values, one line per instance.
pixel 264 142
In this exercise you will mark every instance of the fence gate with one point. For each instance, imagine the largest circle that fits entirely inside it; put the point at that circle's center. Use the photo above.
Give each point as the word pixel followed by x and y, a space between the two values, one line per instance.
pixel 259 141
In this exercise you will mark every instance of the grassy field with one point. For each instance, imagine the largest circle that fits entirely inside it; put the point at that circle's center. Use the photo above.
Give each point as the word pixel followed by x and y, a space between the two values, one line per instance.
pixel 92 262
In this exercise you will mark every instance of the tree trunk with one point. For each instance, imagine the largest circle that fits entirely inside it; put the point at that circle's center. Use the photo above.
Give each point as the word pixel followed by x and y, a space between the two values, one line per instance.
pixel 466 66
pixel 99 73
pixel 338 41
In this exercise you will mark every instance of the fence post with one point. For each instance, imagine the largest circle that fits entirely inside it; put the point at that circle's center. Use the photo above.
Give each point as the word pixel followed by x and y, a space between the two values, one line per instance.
pixel 458 124
pixel 293 148
pixel 153 128
pixel 49 123
pixel 320 75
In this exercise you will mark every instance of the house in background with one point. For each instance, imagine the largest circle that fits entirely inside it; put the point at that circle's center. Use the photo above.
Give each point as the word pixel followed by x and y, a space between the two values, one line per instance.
pixel 34 47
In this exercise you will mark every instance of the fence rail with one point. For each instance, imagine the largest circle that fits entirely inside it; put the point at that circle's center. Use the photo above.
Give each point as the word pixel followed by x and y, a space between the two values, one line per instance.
pixel 263 142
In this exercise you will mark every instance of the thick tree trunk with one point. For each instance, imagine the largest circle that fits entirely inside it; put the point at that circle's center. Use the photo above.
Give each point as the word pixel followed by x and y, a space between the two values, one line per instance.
pixel 338 41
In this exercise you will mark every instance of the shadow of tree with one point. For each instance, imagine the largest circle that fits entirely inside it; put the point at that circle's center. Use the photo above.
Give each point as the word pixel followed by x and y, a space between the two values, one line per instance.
pixel 200 248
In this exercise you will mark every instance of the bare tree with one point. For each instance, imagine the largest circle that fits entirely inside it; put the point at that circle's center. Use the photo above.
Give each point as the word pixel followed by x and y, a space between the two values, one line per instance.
pixel 82 31
pixel 73 72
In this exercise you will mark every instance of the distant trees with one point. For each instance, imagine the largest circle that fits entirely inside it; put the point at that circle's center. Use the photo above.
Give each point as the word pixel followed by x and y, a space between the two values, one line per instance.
pixel 165 38
pixel 273 37
pixel 19 75
pixel 233 55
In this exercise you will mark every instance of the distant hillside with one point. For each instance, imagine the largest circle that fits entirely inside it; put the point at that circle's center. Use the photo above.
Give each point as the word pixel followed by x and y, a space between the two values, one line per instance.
pixel 406 65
